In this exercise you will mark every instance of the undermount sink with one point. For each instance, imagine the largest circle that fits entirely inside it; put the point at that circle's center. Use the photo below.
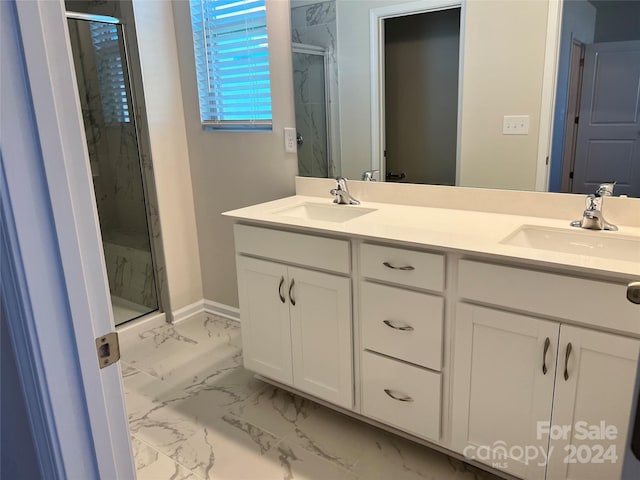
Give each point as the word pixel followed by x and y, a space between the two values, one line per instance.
pixel 325 213
pixel 579 242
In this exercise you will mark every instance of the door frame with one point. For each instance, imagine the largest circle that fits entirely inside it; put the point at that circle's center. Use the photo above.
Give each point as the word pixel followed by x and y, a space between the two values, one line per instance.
pixel 77 412
pixel 573 112
pixel 549 91
pixel 377 16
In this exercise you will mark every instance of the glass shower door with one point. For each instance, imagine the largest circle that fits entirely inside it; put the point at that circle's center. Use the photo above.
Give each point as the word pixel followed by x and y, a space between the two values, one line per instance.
pixel 311 108
pixel 112 139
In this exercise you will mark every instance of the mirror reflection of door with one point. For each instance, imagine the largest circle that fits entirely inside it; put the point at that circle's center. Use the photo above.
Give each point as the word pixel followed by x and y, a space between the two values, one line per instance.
pixel 596 127
pixel 608 139
pixel 421 69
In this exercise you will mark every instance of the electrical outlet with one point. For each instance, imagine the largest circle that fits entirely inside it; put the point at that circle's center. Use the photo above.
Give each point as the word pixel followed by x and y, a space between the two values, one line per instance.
pixel 290 145
pixel 515 125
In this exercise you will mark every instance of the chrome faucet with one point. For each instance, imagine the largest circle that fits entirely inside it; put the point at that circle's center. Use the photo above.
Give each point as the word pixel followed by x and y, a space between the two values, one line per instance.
pixel 370 175
pixel 592 217
pixel 341 193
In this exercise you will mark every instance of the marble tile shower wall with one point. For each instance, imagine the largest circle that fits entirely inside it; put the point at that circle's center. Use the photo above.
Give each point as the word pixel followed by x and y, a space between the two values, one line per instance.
pixel 196 413
pixel 315 24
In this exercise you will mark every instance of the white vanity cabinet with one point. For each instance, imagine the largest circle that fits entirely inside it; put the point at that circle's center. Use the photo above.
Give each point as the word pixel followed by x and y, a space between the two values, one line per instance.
pixel 296 322
pixel 401 328
pixel 514 370
pixel 491 361
pixel 500 387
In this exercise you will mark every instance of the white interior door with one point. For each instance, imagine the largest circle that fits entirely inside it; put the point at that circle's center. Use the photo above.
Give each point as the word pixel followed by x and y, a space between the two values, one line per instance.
pixel 608 144
pixel 77 409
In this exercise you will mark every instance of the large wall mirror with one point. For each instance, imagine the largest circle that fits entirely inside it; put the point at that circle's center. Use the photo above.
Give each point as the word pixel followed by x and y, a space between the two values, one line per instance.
pixel 513 94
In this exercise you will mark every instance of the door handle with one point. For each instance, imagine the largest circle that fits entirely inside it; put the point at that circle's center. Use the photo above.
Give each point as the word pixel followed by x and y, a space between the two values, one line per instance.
pixel 633 292
pixel 566 361
pixel 547 343
pixel 280 294
pixel 291 297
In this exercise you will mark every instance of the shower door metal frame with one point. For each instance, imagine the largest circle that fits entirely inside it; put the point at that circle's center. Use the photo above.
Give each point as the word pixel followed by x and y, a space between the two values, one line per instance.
pixel 324 53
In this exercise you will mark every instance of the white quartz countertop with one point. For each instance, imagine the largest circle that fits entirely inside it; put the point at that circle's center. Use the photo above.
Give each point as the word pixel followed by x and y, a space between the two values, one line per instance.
pixel 463 231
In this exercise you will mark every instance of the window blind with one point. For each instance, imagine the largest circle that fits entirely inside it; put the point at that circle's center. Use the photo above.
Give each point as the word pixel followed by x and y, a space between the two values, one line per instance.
pixel 111 79
pixel 232 63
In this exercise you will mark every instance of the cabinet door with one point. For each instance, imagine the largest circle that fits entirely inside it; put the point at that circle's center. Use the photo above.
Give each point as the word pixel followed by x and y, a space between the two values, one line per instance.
pixel 598 387
pixel 500 391
pixel 264 310
pixel 321 335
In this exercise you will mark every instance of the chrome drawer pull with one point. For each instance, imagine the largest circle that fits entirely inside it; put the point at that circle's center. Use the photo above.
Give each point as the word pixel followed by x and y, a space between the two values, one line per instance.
pixel 407 268
pixel 291 297
pixel 547 344
pixel 398 325
pixel 401 397
pixel 280 289
pixel 566 362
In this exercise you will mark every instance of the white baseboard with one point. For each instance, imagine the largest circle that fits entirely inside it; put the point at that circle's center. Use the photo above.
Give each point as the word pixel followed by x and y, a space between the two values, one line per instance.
pixel 188 311
pixel 206 306
pixel 222 310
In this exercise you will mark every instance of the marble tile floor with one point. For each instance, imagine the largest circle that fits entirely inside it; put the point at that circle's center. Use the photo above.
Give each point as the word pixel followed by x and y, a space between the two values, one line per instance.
pixel 195 413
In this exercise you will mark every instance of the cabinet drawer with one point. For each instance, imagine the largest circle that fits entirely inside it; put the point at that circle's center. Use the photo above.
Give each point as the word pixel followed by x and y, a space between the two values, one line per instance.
pixel 297 248
pixel 405 267
pixel 402 324
pixel 416 406
pixel 591 302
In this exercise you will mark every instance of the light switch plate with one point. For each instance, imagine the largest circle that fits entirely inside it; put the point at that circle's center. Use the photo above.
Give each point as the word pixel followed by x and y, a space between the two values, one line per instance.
pixel 515 125
pixel 290 145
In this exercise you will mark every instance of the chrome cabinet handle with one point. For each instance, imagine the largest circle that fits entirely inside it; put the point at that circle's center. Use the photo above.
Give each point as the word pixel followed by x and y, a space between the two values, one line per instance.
pixel 398 325
pixel 282 299
pixel 401 397
pixel 547 343
pixel 566 361
pixel 407 268
pixel 291 297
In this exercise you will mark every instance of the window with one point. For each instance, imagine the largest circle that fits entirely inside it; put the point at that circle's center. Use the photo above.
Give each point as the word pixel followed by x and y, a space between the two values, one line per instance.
pixel 111 80
pixel 232 63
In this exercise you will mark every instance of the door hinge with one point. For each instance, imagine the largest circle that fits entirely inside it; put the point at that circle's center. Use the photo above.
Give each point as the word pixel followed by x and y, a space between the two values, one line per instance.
pixel 108 349
pixel 546 162
pixel 577 120
pixel 571 175
pixel 582 62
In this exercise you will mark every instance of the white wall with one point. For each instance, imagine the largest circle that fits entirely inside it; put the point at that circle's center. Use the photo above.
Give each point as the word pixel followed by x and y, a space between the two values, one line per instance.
pixel 503 62
pixel 504 49
pixel 233 169
pixel 165 117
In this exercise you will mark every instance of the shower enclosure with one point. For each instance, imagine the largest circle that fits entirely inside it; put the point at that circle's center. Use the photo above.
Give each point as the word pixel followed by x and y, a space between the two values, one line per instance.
pixel 311 94
pixel 113 141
